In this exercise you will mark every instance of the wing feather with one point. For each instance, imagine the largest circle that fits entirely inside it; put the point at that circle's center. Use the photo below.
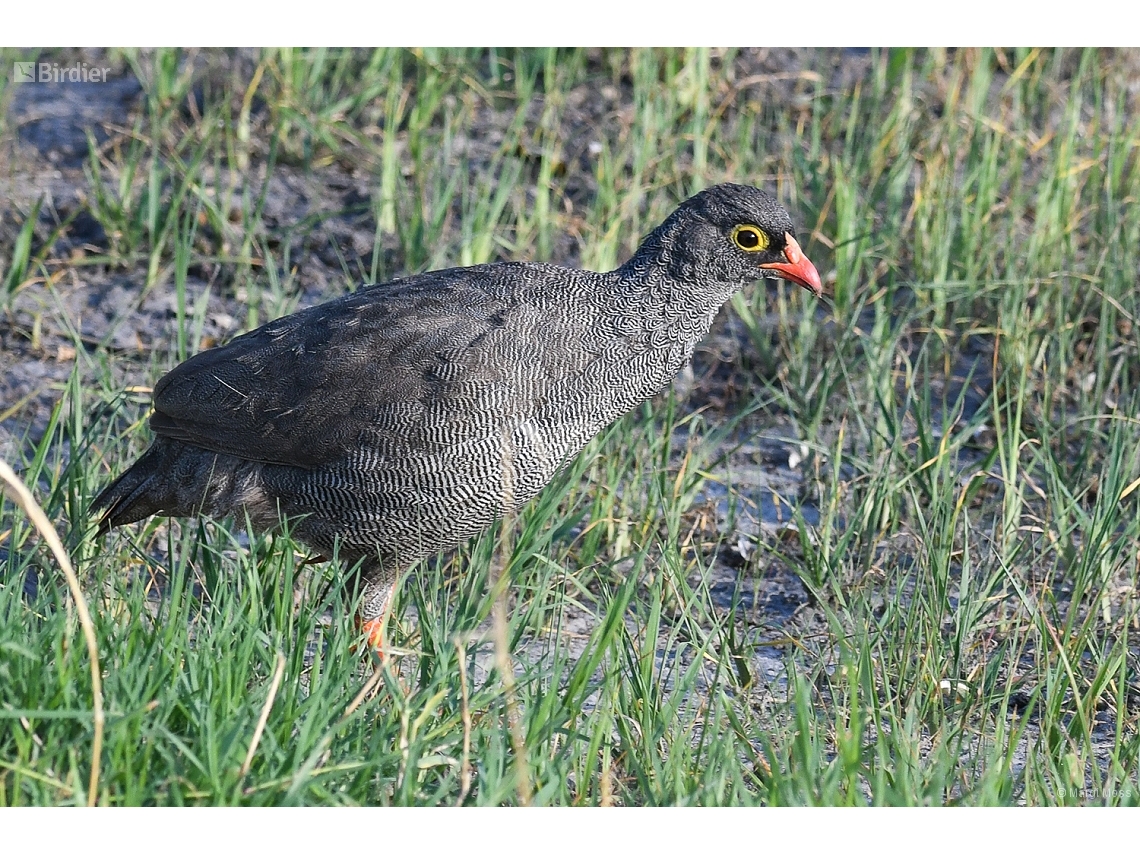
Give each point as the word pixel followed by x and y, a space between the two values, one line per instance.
pixel 387 365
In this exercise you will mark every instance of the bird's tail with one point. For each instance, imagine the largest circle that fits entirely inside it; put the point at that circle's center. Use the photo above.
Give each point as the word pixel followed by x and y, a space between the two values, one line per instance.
pixel 137 493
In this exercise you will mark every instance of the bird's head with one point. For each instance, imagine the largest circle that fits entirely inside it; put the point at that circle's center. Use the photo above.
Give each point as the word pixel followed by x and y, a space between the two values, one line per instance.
pixel 733 234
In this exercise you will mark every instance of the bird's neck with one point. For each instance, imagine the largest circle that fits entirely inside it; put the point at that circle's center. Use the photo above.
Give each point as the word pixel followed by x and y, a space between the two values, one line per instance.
pixel 666 264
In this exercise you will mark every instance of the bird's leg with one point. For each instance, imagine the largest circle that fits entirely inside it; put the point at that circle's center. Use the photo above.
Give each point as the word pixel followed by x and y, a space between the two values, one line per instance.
pixel 370 620
pixel 374 611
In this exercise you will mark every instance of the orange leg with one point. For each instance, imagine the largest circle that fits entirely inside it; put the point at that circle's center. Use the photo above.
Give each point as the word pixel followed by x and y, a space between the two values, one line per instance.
pixel 373 632
pixel 373 617
pixel 370 622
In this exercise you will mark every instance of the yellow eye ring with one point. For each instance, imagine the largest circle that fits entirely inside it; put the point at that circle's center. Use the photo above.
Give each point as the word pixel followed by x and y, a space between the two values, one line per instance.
pixel 750 238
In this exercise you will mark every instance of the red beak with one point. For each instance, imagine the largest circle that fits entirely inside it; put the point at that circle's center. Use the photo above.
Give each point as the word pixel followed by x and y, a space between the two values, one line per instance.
pixel 798 269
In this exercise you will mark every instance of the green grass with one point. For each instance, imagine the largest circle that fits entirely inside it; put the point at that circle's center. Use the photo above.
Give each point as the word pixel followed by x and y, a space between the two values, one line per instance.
pixel 973 572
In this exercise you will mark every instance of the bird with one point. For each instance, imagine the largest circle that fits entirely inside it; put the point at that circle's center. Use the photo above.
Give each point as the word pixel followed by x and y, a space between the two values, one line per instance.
pixel 404 418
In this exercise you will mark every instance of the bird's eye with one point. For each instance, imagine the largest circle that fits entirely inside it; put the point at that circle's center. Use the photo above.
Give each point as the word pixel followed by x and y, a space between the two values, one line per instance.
pixel 750 238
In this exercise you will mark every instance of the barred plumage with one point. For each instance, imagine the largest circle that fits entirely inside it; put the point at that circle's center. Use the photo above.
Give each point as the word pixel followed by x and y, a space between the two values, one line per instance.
pixel 404 418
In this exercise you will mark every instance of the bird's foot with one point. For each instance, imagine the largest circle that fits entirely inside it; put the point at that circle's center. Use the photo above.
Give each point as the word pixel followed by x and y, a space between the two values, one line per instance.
pixel 373 632
pixel 373 641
